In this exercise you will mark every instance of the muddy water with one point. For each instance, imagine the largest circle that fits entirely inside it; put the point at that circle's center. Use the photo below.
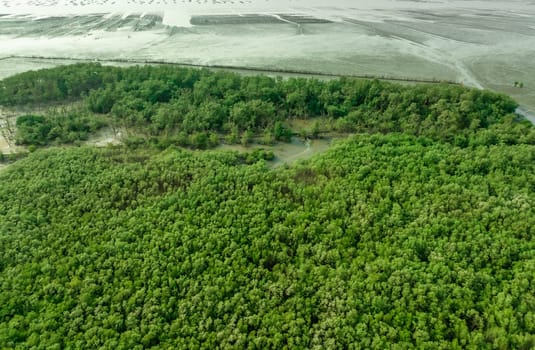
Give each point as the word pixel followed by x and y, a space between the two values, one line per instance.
pixel 105 137
pixel 286 153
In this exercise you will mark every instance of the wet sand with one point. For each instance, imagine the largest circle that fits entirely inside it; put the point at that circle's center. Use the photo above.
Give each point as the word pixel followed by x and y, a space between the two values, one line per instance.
pixel 528 114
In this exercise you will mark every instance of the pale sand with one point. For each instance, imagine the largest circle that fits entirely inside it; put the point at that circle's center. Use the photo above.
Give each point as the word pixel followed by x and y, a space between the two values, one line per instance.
pixel 7 144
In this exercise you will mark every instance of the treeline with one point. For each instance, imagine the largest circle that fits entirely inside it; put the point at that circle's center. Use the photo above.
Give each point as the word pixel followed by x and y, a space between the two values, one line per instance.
pixel 60 84
pixel 199 107
pixel 385 241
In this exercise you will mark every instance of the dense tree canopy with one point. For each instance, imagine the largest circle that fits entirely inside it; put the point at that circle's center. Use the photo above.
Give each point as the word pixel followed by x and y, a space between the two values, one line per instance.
pixel 187 107
pixel 413 233
pixel 383 240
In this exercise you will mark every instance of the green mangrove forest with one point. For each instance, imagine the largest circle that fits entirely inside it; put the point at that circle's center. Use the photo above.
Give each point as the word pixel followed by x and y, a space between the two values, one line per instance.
pixel 415 230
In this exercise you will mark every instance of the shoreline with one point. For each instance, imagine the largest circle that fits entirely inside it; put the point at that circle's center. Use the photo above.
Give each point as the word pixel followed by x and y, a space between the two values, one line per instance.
pixel 523 110
pixel 253 69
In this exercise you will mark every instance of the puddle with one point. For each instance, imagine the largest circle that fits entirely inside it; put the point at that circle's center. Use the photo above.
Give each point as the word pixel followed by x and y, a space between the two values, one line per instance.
pixel 286 153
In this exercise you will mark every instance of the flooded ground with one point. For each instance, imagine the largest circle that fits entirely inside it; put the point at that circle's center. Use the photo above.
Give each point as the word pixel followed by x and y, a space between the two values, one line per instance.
pixel 105 137
pixel 286 153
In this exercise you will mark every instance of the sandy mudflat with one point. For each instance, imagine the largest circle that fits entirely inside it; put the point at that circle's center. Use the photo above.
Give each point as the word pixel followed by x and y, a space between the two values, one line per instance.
pixel 479 43
pixel 4 146
pixel 7 145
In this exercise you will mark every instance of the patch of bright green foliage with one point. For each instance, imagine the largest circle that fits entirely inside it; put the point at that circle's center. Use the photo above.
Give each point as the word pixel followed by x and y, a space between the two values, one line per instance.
pixel 38 130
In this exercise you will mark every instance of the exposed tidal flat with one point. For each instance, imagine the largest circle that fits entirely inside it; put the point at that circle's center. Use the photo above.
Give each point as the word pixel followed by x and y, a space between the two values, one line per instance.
pixel 487 44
